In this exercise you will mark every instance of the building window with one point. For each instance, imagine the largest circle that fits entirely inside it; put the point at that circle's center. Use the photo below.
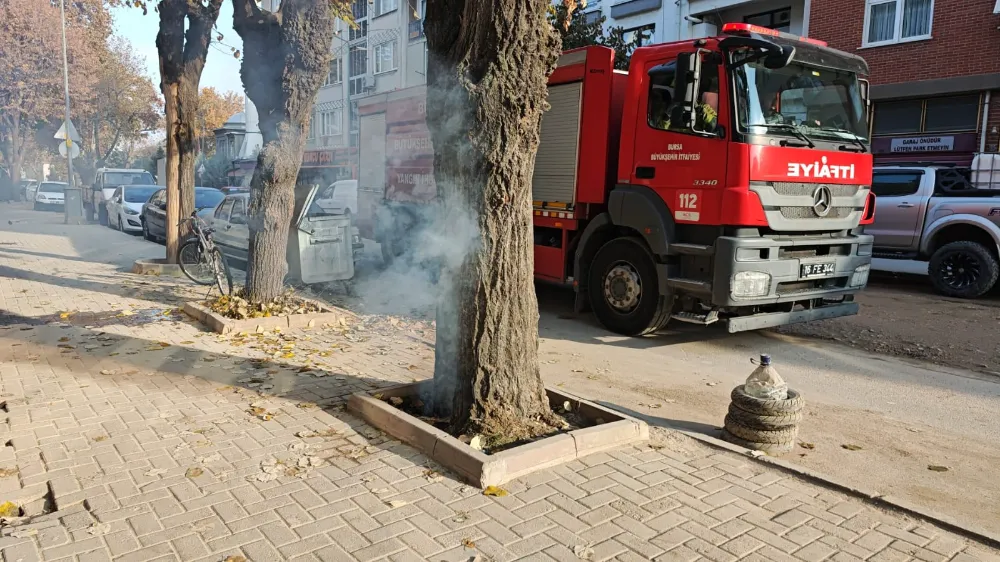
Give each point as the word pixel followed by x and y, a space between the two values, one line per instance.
pixel 643 35
pixel 336 74
pixel 950 114
pixel 358 61
pixel 383 7
pixel 385 57
pixel 892 21
pixel 329 122
pixel 778 20
pixel 310 133
pixel 417 10
pixel 360 28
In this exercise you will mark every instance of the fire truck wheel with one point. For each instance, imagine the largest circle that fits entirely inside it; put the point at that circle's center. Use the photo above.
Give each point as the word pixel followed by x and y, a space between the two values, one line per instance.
pixel 623 289
pixel 965 269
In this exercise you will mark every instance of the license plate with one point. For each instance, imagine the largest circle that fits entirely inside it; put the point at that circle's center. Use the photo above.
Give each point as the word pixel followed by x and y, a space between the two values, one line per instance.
pixel 808 270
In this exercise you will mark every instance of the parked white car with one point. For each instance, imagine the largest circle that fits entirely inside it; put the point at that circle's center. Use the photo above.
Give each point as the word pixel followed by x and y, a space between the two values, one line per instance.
pixel 50 194
pixel 125 206
pixel 340 197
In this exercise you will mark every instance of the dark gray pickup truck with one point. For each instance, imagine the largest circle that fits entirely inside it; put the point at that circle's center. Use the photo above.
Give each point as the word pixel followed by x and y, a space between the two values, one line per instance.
pixel 934 214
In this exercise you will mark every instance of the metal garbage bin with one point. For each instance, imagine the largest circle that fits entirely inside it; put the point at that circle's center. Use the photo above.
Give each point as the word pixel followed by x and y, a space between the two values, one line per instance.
pixel 323 247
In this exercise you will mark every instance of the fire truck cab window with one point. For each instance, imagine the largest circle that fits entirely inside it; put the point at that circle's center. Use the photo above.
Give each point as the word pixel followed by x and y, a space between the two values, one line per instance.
pixel 662 100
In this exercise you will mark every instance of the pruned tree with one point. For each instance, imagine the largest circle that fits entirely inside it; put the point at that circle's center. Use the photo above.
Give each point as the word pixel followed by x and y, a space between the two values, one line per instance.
pixel 214 109
pixel 182 44
pixel 286 55
pixel 487 71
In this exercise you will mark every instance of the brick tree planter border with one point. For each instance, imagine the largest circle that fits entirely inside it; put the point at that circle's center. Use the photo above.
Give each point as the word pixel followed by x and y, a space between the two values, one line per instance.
pixel 157 266
pixel 220 324
pixel 484 470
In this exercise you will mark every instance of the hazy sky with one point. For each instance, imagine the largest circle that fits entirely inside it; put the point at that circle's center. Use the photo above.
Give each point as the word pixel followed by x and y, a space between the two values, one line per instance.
pixel 222 70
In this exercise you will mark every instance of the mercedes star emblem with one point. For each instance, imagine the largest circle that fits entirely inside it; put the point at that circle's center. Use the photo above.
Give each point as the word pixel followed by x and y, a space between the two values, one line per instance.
pixel 822 201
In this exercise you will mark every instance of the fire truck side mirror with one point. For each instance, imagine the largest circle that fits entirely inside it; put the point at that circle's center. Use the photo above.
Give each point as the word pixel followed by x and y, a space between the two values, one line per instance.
pixel 686 85
pixel 864 87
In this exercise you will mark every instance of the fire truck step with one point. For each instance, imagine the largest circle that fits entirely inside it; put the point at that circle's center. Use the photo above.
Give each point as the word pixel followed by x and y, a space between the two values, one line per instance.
pixel 692 249
pixel 691 318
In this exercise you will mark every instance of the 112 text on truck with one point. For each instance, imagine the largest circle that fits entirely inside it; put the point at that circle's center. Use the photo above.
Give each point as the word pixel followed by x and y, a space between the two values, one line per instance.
pixel 725 178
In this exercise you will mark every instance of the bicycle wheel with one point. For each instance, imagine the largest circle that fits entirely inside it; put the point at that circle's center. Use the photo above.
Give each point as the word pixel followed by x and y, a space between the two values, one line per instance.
pixel 223 275
pixel 195 263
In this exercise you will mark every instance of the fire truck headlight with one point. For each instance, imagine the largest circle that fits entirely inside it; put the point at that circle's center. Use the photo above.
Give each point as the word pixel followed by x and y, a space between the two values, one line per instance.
pixel 751 284
pixel 860 276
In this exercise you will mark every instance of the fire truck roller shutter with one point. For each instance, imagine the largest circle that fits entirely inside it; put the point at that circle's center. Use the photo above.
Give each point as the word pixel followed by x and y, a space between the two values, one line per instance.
pixel 555 178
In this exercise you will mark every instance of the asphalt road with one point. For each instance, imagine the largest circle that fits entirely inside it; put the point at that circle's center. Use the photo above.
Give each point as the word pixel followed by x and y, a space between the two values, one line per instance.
pixel 905 415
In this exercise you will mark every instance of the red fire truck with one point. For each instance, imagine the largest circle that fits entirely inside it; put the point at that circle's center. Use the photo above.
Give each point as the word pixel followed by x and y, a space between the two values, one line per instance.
pixel 724 178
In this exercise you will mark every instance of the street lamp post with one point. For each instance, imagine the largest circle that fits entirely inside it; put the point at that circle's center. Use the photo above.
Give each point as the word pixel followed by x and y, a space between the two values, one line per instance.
pixel 73 201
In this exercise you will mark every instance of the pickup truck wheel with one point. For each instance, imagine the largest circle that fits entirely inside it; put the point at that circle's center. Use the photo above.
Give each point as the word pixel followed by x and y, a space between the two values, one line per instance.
pixel 623 289
pixel 963 269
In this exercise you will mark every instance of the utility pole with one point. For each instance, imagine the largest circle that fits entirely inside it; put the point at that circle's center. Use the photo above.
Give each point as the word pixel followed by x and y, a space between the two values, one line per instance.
pixel 73 200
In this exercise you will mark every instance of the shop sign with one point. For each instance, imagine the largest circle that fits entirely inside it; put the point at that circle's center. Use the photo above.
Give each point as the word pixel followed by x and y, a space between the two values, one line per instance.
pixel 317 158
pixel 922 144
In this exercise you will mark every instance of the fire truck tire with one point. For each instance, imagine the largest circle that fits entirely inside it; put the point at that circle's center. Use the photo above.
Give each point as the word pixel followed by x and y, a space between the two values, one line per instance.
pixel 964 269
pixel 623 289
pixel 758 421
pixel 763 407
pixel 773 436
pixel 769 448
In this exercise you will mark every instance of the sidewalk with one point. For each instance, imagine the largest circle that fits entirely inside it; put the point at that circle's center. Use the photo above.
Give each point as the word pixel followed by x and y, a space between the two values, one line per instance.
pixel 133 435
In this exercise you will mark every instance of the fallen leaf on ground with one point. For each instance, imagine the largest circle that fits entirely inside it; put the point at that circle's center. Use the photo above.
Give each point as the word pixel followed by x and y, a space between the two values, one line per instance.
pixel 476 443
pixel 583 552
pixel 396 503
pixel 64 338
pixel 396 401
pixel 495 491
pixel 433 476
pixel 155 472
pixel 107 372
pixel 9 509
pixel 468 543
pixel 805 445
pixel 937 468
pixel 99 528
pixel 235 558
pixel 187 342
pixel 65 315
pixel 851 447
pixel 194 472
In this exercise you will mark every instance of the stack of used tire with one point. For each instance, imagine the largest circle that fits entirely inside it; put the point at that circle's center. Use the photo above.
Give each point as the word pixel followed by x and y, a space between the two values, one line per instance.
pixel 770 426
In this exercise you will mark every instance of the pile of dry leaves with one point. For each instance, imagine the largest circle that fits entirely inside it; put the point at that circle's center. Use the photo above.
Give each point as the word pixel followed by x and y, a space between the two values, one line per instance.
pixel 236 306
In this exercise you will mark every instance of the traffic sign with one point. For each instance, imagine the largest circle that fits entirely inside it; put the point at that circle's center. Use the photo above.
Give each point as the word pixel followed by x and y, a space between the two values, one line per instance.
pixel 73 135
pixel 74 149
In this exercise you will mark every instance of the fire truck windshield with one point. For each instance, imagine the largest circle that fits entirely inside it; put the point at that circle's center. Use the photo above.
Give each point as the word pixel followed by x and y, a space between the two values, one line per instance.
pixel 823 103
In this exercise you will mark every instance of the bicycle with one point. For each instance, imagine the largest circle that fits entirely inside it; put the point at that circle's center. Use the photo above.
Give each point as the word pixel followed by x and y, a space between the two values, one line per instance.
pixel 201 260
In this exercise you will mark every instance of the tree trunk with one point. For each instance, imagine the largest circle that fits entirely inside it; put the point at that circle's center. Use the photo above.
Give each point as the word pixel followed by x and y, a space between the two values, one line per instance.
pixel 173 171
pixel 182 58
pixel 285 60
pixel 487 71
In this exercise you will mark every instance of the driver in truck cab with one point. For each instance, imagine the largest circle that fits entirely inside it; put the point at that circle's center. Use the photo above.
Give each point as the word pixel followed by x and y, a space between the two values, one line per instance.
pixel 706 112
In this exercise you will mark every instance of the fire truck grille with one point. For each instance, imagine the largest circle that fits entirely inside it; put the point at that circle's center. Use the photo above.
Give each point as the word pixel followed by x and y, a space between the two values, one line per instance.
pixel 792 188
pixel 807 212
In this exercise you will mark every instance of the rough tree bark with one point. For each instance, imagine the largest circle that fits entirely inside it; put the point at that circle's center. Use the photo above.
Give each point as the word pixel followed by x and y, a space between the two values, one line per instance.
pixel 487 71
pixel 286 55
pixel 182 60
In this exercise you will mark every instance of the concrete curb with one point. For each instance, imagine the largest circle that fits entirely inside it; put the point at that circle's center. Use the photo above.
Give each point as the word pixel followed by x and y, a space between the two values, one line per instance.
pixel 157 266
pixel 485 470
pixel 888 502
pixel 222 325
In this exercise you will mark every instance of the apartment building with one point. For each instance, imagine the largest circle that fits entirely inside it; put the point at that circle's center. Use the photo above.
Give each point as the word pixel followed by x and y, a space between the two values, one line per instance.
pixel 935 73
pixel 384 52
pixel 661 21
